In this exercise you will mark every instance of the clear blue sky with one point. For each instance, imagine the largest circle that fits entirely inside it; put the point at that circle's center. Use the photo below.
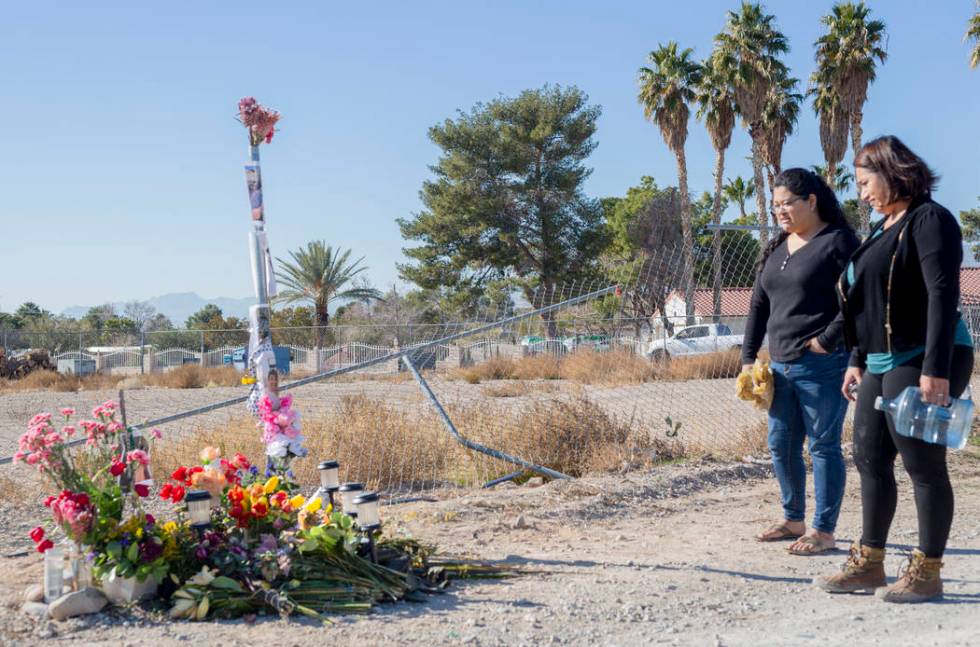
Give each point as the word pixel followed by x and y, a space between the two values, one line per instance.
pixel 121 158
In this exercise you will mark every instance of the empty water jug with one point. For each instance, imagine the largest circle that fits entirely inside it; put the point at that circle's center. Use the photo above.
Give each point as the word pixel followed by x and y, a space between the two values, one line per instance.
pixel 932 423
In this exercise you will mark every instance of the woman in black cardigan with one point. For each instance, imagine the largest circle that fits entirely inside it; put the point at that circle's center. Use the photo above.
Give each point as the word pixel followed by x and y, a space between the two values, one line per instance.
pixel 899 301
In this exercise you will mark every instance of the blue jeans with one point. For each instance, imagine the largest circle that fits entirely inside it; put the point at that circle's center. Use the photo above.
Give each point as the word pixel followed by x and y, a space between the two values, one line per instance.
pixel 808 403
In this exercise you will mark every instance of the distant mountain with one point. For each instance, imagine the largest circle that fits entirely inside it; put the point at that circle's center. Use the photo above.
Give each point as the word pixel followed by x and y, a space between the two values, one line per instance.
pixel 181 305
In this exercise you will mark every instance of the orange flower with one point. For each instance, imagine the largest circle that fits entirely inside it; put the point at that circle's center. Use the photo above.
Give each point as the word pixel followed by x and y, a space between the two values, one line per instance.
pixel 256 491
pixel 260 507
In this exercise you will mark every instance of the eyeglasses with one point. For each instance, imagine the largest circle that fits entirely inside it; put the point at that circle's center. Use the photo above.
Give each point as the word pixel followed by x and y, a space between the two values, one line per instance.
pixel 777 208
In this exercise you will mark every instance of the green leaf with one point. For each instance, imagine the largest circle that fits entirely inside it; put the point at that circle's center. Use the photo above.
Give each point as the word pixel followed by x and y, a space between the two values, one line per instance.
pixel 226 583
pixel 114 549
pixel 133 552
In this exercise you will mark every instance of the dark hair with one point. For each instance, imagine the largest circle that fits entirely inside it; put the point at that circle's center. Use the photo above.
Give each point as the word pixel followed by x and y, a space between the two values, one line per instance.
pixel 906 174
pixel 804 183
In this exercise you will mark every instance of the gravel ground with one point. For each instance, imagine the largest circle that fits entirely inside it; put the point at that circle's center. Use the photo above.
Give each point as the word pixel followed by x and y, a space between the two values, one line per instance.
pixel 646 558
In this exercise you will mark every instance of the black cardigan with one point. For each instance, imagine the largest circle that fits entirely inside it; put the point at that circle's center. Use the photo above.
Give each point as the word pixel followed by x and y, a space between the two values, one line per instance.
pixel 913 267
pixel 794 299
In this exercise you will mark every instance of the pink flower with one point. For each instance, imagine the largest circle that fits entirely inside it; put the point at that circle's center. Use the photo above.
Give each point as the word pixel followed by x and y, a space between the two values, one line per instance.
pixel 156 433
pixel 68 412
pixel 138 456
pixel 68 430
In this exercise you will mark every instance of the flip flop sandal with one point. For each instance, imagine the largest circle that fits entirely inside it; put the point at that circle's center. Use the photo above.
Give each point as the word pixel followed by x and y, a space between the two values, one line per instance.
pixel 816 547
pixel 782 533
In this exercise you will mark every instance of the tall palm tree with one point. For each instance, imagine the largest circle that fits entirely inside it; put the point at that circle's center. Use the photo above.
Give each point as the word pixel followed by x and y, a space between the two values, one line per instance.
pixel 319 275
pixel 779 117
pixel 973 33
pixel 848 53
pixel 748 48
pixel 666 88
pixel 833 121
pixel 841 179
pixel 716 101
pixel 739 191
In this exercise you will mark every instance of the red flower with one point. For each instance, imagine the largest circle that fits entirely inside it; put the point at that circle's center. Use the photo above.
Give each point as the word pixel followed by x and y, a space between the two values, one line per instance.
pixel 179 474
pixel 236 511
pixel 44 545
pixel 241 462
pixel 117 468
pixel 49 501
pixel 81 499
pixel 166 491
pixel 260 509
pixel 236 494
pixel 178 494
pixel 37 534
pixel 141 489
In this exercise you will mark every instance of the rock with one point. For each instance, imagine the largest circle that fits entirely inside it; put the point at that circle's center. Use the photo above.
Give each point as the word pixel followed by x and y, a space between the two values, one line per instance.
pixel 88 600
pixel 506 485
pixel 535 481
pixel 36 609
pixel 34 593
pixel 520 523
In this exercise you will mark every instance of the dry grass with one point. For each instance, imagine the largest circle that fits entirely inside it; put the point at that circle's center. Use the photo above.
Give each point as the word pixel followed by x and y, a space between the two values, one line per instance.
pixel 518 388
pixel 184 377
pixel 379 445
pixel 617 367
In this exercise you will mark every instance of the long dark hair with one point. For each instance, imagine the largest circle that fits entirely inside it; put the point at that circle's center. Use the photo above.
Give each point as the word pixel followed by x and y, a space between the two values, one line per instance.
pixel 803 183
pixel 907 174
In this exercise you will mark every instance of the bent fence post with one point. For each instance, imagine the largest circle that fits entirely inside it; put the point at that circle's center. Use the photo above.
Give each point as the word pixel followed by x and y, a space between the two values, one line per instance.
pixel 469 444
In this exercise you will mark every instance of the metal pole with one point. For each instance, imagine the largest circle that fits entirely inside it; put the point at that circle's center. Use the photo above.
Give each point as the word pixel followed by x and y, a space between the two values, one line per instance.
pixel 469 444
pixel 142 351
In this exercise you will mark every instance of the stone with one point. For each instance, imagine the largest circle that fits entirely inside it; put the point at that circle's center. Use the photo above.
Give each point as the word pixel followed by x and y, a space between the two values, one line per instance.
pixel 520 523
pixel 79 603
pixel 34 593
pixel 535 481
pixel 37 609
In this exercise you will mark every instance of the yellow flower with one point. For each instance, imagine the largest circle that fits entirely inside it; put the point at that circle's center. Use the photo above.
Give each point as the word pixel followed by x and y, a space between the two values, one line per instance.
pixel 271 485
pixel 170 527
pixel 313 504
pixel 328 510
pixel 306 519
pixel 297 501
pixel 256 491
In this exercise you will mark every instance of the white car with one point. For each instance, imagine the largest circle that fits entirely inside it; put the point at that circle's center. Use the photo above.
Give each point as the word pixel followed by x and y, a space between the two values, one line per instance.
pixel 695 340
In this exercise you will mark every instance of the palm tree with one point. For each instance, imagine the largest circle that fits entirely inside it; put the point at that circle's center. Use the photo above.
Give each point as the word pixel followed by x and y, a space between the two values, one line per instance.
pixel 779 117
pixel 319 275
pixel 847 55
pixel 717 109
pixel 739 191
pixel 833 122
pixel 748 47
pixel 839 181
pixel 665 90
pixel 973 33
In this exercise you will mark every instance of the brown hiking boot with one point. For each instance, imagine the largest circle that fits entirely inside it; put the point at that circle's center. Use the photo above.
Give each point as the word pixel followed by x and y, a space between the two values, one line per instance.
pixel 864 571
pixel 918 581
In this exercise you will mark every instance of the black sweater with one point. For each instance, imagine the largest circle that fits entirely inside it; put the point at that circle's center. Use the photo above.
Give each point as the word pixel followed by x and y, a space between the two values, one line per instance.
pixel 795 298
pixel 926 245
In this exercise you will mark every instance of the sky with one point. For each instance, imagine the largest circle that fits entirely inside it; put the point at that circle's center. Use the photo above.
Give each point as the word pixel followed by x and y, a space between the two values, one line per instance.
pixel 121 165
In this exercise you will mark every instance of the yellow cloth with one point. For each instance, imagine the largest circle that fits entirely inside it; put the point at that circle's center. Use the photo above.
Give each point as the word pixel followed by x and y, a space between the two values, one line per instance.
pixel 755 385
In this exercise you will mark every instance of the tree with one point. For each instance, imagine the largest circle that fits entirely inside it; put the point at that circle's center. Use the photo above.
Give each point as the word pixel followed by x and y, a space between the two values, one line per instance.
pixel 973 33
pixel 96 316
pixel 716 101
pixel 29 310
pixel 782 108
pixel 209 317
pixel 665 90
pixel 748 48
pixel 739 250
pixel 840 181
pixel 140 313
pixel 970 220
pixel 832 118
pixel 846 57
pixel 318 275
pixel 739 191
pixel 506 201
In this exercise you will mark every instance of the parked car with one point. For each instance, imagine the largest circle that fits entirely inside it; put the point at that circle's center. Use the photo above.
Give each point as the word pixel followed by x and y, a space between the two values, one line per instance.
pixel 695 340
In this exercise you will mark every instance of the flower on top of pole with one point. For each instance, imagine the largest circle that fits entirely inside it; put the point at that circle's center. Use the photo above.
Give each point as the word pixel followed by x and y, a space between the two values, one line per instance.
pixel 260 121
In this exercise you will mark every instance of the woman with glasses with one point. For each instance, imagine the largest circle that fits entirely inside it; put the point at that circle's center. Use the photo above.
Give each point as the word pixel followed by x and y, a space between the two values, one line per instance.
pixel 900 298
pixel 794 301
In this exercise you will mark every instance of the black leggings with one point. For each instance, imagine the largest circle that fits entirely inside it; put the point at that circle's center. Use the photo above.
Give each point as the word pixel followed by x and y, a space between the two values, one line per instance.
pixel 876 444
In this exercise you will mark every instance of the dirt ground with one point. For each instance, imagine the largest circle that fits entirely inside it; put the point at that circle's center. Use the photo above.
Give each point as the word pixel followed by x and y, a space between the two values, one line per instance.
pixel 663 557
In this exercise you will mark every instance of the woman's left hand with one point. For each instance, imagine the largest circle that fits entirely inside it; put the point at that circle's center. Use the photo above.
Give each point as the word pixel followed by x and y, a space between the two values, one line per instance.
pixel 815 346
pixel 935 390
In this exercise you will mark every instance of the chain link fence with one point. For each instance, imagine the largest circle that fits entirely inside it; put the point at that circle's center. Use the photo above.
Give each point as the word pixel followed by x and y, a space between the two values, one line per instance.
pixel 603 375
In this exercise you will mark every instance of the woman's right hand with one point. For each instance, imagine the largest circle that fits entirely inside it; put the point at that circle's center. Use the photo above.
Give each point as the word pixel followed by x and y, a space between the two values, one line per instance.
pixel 852 376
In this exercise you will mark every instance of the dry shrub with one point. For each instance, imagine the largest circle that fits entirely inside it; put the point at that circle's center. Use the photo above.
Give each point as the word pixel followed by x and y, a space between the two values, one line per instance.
pixel 587 366
pixel 42 381
pixel 751 440
pixel 495 368
pixel 726 364
pixel 538 367
pixel 192 376
pixel 507 389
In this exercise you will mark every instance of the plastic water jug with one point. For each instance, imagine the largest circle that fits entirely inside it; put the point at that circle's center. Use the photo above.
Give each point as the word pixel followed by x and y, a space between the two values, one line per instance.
pixel 932 423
